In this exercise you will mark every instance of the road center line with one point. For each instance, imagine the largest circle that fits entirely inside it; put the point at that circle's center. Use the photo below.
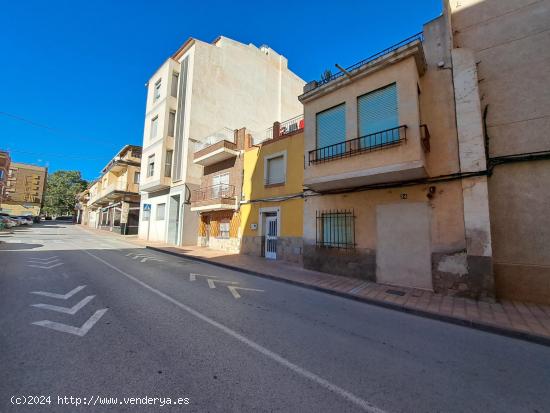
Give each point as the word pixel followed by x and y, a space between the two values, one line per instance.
pixel 363 404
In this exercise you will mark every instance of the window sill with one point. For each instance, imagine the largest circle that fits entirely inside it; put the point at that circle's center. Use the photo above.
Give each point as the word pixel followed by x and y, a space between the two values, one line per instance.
pixel 274 185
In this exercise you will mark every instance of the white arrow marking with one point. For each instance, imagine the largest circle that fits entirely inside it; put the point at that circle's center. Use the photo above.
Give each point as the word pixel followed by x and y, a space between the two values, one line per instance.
pixel 79 331
pixel 60 296
pixel 193 276
pixel 150 258
pixel 72 311
pixel 234 289
pixel 44 259
pixel 32 261
pixel 212 285
pixel 47 268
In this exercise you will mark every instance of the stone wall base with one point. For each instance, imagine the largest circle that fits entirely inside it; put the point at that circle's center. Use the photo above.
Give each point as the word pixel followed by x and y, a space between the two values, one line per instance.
pixel 288 248
pixel 355 263
pixel 221 244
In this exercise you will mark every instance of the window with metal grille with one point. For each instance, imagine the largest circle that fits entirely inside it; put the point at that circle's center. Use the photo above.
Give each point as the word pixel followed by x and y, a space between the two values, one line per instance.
pixel 378 117
pixel 224 228
pixel 336 229
pixel 331 129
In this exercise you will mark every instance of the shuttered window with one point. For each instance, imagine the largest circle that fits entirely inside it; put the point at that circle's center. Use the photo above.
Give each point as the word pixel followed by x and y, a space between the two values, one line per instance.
pixel 275 173
pixel 377 112
pixel 331 129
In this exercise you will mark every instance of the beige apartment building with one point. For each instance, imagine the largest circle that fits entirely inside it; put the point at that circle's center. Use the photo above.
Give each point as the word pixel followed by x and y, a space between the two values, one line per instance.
pixel 112 201
pixel 5 162
pixel 505 44
pixel 394 158
pixel 201 89
pixel 24 191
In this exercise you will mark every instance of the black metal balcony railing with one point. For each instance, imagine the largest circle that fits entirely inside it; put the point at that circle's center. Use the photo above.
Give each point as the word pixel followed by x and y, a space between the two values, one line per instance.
pixel 220 191
pixel 402 43
pixel 367 143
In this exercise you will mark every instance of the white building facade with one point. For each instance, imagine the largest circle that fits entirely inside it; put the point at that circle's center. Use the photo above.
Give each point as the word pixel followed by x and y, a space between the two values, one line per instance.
pixel 202 88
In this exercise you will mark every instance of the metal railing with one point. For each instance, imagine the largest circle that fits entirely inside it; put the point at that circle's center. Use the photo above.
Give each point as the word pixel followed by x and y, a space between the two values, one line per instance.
pixel 402 43
pixel 224 134
pixel 288 126
pixel 367 143
pixel 220 191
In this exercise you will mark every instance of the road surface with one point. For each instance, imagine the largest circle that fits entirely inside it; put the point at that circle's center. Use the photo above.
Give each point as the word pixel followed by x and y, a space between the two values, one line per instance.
pixel 98 319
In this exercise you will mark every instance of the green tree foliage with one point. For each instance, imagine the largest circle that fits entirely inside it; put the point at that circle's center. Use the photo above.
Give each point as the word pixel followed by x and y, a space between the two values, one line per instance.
pixel 61 189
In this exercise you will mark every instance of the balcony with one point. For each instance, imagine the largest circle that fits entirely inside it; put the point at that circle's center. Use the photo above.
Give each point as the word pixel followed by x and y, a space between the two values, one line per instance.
pixel 213 198
pixel 391 155
pixel 216 148
pixel 113 192
pixel 280 129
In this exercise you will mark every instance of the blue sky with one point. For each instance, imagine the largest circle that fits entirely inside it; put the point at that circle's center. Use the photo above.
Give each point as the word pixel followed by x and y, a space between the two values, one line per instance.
pixel 74 71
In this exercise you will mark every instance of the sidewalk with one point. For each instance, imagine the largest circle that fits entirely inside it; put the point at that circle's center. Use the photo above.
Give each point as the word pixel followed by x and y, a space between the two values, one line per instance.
pixel 511 318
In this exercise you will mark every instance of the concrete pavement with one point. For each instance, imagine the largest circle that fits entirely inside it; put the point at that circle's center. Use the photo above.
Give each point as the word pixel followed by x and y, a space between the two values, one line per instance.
pixel 163 326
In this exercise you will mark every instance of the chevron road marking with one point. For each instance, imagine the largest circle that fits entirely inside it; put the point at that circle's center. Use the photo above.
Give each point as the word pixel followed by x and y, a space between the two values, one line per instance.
pixel 212 285
pixel 46 268
pixel 235 293
pixel 78 331
pixel 60 296
pixel 43 259
pixel 193 276
pixel 55 260
pixel 72 311
pixel 150 258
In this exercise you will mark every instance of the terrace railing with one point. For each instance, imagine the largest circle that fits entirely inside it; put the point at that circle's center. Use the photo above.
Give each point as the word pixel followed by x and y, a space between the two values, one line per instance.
pixel 367 143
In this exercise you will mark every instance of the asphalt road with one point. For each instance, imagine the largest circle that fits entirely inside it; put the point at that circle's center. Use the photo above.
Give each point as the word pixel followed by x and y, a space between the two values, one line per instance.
pixel 133 323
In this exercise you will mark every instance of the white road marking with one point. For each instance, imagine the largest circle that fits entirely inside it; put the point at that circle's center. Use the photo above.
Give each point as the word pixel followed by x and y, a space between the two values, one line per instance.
pixel 60 296
pixel 79 331
pixel 43 259
pixel 150 258
pixel 72 311
pixel 193 276
pixel 362 403
pixel 212 285
pixel 234 289
pixel 46 267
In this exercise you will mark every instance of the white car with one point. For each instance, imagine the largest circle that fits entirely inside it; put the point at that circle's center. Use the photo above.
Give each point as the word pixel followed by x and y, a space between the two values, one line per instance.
pixel 19 220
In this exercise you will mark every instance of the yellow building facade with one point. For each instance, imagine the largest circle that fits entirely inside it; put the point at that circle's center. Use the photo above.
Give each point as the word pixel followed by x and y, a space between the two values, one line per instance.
pixel 272 203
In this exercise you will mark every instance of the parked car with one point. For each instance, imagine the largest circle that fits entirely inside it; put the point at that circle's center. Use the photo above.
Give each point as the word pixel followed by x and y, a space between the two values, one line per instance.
pixel 36 219
pixel 27 219
pixel 19 220
pixel 7 221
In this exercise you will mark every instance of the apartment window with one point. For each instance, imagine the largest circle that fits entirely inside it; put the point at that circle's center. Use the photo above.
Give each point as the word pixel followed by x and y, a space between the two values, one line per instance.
pixel 331 129
pixel 220 185
pixel 275 169
pixel 224 228
pixel 377 116
pixel 161 208
pixel 151 165
pixel 171 122
pixel 158 84
pixel 168 164
pixel 154 126
pixel 336 229
pixel 174 86
pixel 136 177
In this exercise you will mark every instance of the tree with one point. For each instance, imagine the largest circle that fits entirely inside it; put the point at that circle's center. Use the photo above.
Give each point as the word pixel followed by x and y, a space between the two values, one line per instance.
pixel 61 190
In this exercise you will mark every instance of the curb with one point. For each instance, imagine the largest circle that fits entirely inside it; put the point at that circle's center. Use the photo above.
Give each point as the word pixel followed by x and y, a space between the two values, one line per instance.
pixel 489 328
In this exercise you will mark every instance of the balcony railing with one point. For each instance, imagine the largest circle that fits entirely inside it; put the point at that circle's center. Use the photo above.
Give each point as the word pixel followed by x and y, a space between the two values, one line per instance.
pixel 224 134
pixel 214 192
pixel 367 143
pixel 315 84
pixel 286 127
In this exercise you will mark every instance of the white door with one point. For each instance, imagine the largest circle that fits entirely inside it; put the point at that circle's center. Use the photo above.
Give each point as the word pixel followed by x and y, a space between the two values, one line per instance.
pixel 403 246
pixel 271 238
